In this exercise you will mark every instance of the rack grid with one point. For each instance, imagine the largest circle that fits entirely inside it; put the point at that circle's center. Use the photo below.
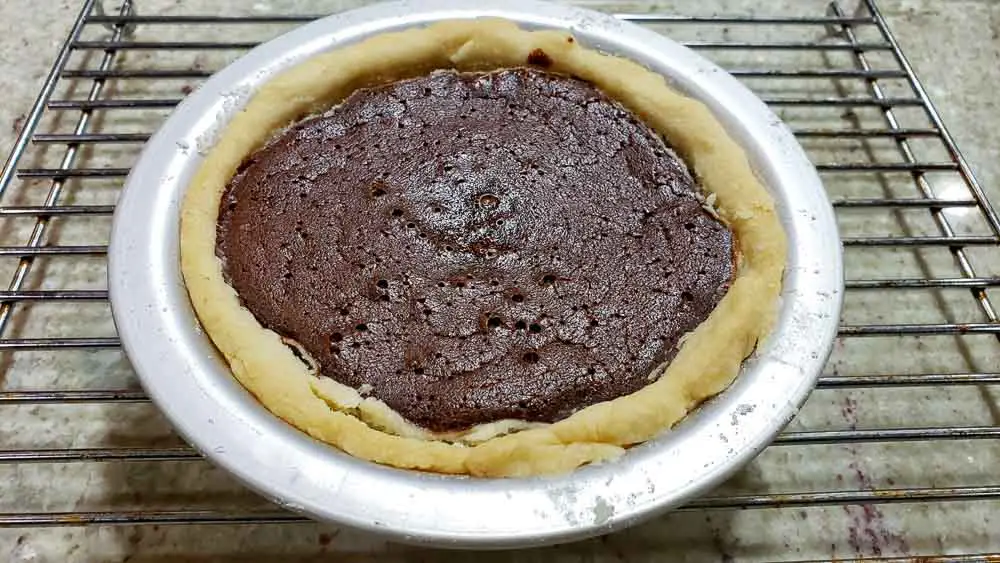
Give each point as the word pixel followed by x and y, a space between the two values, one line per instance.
pixel 914 372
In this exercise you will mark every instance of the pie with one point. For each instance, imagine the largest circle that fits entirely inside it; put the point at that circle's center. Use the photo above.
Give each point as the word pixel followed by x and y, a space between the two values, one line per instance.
pixel 470 248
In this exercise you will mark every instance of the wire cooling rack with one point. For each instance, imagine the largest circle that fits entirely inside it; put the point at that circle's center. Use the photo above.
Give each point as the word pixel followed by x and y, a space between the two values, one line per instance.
pixel 896 453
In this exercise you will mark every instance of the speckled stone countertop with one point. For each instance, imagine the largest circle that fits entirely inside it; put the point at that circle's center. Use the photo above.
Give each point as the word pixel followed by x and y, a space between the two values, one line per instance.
pixel 955 48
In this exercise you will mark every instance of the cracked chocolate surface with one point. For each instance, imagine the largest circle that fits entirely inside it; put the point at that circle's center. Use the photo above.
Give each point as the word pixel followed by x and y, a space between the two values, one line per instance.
pixel 475 247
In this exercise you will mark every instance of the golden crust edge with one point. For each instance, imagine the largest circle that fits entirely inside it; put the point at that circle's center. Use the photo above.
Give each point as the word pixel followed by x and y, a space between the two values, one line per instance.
pixel 708 361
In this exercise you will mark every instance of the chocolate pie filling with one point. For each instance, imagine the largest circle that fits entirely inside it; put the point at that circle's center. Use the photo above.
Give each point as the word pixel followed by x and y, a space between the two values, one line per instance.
pixel 475 247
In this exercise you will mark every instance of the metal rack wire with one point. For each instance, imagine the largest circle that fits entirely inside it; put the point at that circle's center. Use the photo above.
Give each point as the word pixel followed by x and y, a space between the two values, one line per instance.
pixel 894 165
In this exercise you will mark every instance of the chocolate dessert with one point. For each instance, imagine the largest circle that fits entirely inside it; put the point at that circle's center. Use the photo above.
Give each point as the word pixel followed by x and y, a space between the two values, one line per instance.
pixel 472 247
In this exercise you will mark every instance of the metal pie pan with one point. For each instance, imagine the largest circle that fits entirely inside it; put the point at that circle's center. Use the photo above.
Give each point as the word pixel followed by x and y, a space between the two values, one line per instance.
pixel 190 382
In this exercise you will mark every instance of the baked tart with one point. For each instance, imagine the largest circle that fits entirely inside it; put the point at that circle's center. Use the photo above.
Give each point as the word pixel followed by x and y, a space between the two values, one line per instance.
pixel 470 248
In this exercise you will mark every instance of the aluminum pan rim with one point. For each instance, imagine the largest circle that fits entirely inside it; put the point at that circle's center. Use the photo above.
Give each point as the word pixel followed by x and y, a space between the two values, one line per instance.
pixel 187 379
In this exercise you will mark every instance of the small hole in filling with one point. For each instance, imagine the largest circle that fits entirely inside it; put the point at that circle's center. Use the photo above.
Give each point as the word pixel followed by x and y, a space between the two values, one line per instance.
pixel 530 357
pixel 382 284
pixel 489 200
pixel 520 325
pixel 535 327
pixel 494 322
pixel 361 327
pixel 517 298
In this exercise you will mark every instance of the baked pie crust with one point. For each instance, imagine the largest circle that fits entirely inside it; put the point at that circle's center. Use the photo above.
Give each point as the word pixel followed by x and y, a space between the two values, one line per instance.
pixel 269 367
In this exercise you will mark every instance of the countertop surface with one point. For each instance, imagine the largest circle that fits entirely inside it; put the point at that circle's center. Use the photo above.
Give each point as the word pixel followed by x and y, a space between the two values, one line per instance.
pixel 954 46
